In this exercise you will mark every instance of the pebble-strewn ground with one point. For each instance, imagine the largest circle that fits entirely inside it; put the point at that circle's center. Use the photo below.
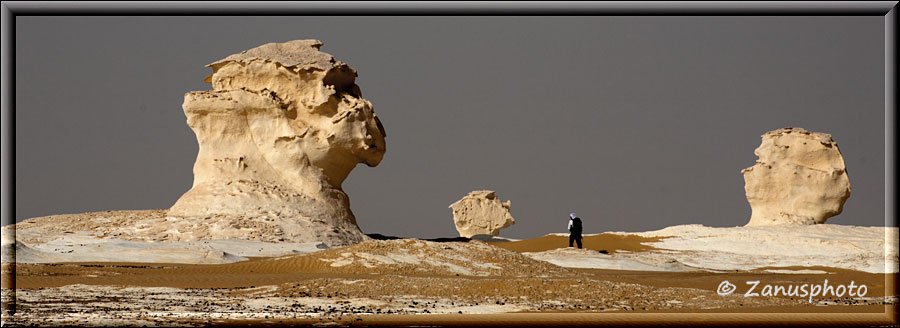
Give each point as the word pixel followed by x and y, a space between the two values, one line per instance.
pixel 331 300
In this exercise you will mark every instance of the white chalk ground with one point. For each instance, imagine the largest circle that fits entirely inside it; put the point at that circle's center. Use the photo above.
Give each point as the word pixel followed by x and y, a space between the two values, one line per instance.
pixel 697 247
pixel 590 259
pixel 86 247
pixel 450 258
pixel 684 248
pixel 492 238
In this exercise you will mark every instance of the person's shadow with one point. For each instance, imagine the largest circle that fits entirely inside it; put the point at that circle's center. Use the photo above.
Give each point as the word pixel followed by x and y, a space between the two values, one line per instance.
pixel 480 237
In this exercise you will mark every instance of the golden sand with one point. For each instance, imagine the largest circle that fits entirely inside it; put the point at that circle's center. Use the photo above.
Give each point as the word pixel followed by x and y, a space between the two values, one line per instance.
pixel 602 242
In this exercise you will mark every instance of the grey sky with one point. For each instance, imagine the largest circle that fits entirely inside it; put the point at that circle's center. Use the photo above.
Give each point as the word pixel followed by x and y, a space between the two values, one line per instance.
pixel 635 123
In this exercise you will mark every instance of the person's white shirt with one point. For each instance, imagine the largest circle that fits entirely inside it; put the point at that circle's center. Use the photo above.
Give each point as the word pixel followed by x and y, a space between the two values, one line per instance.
pixel 571 221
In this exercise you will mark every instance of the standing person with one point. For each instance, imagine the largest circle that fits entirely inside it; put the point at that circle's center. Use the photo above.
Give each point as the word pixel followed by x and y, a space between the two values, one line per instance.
pixel 574 230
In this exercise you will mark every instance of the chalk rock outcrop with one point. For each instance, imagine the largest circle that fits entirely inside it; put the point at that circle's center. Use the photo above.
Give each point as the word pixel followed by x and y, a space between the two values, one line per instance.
pixel 282 128
pixel 481 212
pixel 799 178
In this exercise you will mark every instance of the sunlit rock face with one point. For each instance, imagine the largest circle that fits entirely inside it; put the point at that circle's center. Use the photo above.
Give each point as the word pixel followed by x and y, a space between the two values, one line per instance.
pixel 799 178
pixel 481 212
pixel 282 128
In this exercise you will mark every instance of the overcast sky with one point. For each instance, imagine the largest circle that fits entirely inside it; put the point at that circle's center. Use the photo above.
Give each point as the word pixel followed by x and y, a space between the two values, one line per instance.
pixel 634 123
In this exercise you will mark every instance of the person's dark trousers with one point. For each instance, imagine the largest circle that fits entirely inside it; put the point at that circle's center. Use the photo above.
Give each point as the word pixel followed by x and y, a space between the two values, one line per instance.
pixel 576 239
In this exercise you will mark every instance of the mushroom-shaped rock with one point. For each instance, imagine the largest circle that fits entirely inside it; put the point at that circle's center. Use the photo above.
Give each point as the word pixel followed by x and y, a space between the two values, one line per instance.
pixel 481 212
pixel 282 128
pixel 799 178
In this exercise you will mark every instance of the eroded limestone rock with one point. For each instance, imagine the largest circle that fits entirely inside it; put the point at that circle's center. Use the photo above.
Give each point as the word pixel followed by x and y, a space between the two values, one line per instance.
pixel 799 178
pixel 282 128
pixel 481 212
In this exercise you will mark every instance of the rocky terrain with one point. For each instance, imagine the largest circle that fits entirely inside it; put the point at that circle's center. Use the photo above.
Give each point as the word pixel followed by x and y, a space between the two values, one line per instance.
pixel 377 277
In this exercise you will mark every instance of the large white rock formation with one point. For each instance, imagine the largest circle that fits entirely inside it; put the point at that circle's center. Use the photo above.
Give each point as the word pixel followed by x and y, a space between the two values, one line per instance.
pixel 481 212
pixel 799 178
pixel 282 128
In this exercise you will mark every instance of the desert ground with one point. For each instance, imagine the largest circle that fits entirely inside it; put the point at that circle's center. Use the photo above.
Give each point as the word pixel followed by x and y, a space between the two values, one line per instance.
pixel 407 281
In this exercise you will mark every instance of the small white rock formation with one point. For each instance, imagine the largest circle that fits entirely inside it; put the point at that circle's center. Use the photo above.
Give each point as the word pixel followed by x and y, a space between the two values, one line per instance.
pixel 282 128
pixel 799 178
pixel 481 212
